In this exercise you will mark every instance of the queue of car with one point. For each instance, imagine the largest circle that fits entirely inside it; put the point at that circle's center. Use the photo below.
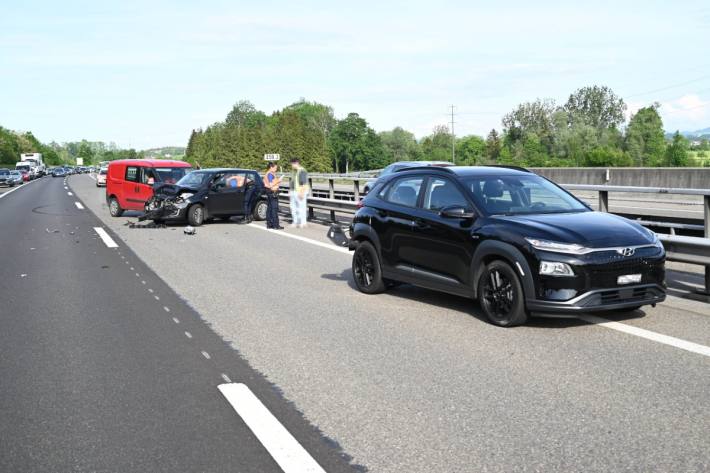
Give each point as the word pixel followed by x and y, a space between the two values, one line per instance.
pixel 515 241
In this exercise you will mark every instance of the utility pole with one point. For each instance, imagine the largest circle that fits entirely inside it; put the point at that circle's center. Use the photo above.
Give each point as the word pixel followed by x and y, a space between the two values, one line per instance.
pixel 453 137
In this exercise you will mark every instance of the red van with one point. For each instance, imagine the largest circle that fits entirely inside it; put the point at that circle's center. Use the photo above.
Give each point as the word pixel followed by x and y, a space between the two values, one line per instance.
pixel 129 183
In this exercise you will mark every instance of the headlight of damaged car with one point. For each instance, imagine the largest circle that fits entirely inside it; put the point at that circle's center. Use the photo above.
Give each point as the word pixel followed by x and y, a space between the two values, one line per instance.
pixel 556 247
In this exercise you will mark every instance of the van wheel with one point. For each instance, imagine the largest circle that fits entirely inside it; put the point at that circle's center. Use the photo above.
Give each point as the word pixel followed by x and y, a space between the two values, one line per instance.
pixel 196 215
pixel 501 295
pixel 260 209
pixel 114 208
pixel 367 270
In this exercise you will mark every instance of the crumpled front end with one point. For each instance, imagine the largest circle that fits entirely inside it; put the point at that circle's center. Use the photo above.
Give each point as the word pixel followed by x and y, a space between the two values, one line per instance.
pixel 166 208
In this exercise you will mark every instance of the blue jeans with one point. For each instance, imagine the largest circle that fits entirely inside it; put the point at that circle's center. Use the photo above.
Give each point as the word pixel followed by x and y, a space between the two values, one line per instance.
pixel 299 208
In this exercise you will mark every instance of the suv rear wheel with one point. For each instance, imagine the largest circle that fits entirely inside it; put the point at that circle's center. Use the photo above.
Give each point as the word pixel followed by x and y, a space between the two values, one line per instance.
pixel 196 215
pixel 367 270
pixel 501 295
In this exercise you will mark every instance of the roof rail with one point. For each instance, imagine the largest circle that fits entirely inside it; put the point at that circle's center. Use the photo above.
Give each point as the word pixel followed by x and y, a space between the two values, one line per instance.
pixel 515 168
pixel 428 168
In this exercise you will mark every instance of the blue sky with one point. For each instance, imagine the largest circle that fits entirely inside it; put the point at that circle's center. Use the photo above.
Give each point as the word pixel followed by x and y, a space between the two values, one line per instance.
pixel 145 73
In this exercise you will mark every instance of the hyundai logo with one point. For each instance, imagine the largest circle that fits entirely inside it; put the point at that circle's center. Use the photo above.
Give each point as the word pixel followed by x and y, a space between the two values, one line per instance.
pixel 626 251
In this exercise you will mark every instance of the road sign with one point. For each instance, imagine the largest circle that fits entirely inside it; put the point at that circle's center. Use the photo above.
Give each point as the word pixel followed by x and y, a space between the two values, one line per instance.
pixel 79 161
pixel 272 157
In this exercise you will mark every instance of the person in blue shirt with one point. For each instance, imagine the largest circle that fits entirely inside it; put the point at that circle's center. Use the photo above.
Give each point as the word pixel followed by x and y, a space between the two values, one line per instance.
pixel 272 183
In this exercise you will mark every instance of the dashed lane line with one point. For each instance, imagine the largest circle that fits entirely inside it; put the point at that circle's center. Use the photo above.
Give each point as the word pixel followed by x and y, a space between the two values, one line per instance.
pixel 166 308
pixel 79 206
pixel 69 193
pixel 281 445
pixel 188 334
pixel 105 237
pixel 206 355
pixel 176 320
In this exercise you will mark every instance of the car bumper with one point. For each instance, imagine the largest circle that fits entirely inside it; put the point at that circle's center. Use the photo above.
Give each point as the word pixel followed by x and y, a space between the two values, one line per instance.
pixel 601 300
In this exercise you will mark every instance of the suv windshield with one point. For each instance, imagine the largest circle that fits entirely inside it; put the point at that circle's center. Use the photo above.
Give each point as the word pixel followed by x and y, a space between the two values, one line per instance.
pixel 194 179
pixel 520 195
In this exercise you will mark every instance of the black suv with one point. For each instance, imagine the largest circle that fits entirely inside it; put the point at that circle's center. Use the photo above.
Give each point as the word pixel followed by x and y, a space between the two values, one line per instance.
pixel 206 194
pixel 514 240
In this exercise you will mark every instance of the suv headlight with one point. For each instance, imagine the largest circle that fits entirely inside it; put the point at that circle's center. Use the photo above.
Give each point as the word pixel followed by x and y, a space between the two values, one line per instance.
pixel 556 247
pixel 555 268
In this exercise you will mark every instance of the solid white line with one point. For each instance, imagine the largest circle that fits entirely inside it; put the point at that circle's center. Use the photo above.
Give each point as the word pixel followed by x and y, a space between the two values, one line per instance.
pixel 300 238
pixel 79 206
pixel 647 334
pixel 105 237
pixel 284 449
pixel 69 193
pixel 17 188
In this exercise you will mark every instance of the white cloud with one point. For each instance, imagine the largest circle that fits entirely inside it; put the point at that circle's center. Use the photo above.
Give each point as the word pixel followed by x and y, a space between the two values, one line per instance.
pixel 689 108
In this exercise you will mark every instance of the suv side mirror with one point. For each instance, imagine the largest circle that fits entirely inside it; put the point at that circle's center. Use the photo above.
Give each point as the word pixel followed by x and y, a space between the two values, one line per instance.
pixel 456 211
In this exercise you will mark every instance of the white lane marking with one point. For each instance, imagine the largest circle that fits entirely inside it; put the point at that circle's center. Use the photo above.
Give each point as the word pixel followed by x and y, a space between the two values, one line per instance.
pixel 226 378
pixel 150 290
pixel 167 309
pixel 69 193
pixel 188 334
pixel 66 188
pixel 79 206
pixel 138 275
pixel 105 237
pixel 304 239
pixel 283 448
pixel 176 320
pixel 142 282
pixel 647 334
pixel 157 298
pixel 206 355
pixel 132 268
pixel 17 188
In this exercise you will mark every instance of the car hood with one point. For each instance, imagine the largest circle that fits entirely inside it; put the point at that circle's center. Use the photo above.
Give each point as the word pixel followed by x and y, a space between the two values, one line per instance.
pixel 170 190
pixel 590 229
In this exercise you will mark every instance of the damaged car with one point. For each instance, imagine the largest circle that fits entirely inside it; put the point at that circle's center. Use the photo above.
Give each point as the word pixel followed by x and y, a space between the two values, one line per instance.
pixel 208 194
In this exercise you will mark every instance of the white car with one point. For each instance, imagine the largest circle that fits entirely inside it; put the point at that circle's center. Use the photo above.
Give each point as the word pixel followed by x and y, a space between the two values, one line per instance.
pixel 101 178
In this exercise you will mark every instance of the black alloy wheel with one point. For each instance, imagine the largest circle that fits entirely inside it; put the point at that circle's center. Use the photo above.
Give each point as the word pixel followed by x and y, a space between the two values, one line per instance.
pixel 367 271
pixel 501 295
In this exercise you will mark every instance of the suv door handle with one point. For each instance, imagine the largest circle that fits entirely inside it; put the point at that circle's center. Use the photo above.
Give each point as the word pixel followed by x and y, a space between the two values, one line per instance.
pixel 420 223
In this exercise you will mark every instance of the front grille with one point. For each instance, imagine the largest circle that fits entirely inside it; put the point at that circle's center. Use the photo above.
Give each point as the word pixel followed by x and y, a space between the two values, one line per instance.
pixel 606 276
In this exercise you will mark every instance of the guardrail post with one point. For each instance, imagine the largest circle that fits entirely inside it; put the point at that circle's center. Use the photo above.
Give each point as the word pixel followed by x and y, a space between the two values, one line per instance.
pixel 706 214
pixel 311 211
pixel 331 195
pixel 356 188
pixel 604 201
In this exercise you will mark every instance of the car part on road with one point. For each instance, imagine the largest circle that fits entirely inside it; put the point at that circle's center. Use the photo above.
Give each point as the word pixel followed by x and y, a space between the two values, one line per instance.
pixel 189 230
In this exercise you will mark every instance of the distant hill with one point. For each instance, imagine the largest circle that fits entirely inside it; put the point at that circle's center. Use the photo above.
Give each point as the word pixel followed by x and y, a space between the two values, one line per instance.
pixel 165 152
pixel 697 134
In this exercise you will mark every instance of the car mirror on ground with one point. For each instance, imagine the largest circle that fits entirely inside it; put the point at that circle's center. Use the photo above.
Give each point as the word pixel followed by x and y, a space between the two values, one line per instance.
pixel 457 212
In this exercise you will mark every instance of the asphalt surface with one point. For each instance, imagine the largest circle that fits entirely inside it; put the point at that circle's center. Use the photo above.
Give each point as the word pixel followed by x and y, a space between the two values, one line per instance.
pixel 416 381
pixel 105 368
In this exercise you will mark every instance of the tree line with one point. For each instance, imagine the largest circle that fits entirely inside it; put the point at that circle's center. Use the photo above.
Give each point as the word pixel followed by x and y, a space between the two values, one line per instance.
pixel 589 129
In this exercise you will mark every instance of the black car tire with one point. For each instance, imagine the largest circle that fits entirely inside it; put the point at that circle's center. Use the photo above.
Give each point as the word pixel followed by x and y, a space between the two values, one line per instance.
pixel 114 207
pixel 367 271
pixel 196 215
pixel 501 295
pixel 260 209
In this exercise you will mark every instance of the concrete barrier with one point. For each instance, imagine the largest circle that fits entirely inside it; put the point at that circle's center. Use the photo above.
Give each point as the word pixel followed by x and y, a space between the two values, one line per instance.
pixel 674 178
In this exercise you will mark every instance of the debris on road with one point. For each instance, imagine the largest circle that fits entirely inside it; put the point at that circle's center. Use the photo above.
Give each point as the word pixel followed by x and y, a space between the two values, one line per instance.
pixel 189 230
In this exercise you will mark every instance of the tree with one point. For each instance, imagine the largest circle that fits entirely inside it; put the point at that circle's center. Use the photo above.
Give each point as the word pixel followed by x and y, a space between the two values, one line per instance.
pixel 437 146
pixel 531 118
pixel 677 151
pixel 400 145
pixel 355 145
pixel 493 145
pixel 645 140
pixel 85 152
pixel 470 150
pixel 596 106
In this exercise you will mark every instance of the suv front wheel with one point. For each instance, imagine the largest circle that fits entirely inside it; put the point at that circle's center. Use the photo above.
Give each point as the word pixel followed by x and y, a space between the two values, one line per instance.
pixel 501 295
pixel 367 270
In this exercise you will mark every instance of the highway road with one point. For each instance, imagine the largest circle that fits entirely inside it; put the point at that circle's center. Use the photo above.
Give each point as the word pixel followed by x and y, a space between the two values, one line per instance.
pixel 105 368
pixel 98 376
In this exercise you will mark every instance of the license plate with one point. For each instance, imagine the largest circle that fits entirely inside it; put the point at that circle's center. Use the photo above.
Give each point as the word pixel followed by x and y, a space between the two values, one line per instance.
pixel 628 279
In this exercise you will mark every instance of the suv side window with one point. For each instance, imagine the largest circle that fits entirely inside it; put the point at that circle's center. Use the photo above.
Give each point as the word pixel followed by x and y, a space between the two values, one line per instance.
pixel 132 173
pixel 442 193
pixel 405 191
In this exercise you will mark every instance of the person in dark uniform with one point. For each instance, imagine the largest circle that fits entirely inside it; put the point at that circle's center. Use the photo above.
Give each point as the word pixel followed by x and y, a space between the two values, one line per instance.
pixel 272 183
